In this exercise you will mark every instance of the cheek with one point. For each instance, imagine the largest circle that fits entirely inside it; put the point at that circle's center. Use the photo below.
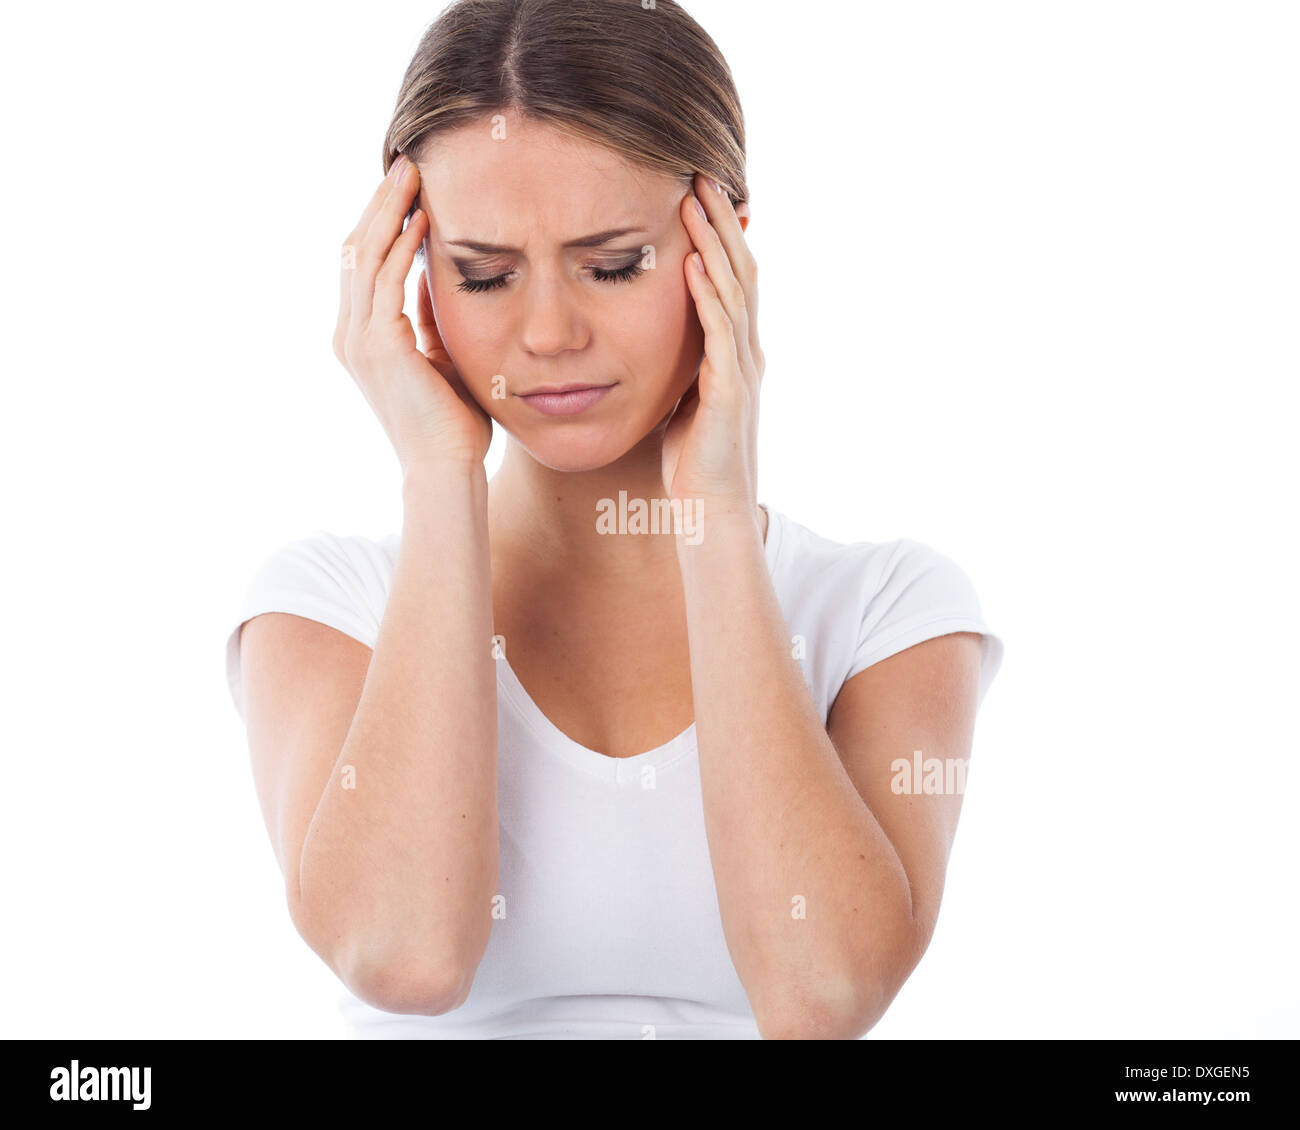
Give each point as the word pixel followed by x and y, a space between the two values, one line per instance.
pixel 661 326
pixel 466 327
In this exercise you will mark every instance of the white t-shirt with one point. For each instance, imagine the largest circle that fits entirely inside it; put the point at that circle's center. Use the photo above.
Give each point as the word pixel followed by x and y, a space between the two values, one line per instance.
pixel 611 927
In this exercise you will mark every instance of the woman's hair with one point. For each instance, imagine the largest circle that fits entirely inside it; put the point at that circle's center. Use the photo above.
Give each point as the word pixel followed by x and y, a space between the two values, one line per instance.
pixel 639 77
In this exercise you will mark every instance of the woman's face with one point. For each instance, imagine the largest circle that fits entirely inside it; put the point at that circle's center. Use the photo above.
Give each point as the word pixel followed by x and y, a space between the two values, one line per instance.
pixel 520 308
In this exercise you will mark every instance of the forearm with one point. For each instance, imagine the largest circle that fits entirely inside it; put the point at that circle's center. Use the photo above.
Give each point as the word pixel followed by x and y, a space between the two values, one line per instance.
pixel 400 861
pixel 816 906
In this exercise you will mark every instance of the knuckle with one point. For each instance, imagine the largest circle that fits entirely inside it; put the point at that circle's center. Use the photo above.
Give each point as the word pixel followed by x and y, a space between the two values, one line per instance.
pixel 358 254
pixel 357 347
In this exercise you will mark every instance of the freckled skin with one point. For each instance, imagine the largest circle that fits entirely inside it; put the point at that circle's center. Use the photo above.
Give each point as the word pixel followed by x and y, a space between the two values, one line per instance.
pixel 553 323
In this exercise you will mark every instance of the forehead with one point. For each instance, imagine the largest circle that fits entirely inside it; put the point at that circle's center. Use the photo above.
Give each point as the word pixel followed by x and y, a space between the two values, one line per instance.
pixel 536 182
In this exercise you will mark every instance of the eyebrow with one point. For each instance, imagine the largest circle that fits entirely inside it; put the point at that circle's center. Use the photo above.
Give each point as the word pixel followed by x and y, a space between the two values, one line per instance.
pixel 585 241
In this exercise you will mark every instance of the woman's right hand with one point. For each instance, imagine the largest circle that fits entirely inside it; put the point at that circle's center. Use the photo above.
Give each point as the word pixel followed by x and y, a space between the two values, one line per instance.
pixel 412 386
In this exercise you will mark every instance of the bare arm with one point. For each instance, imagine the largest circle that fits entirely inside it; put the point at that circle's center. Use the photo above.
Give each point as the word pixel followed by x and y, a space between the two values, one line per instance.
pixel 399 864
pixel 828 883
pixel 377 772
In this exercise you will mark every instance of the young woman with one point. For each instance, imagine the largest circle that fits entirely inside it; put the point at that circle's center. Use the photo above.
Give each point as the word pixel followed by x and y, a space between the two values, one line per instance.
pixel 602 748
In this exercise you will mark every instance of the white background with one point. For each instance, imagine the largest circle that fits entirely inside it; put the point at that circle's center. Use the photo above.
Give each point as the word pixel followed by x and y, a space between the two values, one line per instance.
pixel 1029 295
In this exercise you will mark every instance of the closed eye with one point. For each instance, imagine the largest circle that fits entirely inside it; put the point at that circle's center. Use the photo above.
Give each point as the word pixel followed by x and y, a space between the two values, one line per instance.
pixel 622 274
pixel 631 271
pixel 477 286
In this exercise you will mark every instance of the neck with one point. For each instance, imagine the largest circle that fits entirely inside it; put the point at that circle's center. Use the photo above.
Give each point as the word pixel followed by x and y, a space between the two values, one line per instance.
pixel 549 517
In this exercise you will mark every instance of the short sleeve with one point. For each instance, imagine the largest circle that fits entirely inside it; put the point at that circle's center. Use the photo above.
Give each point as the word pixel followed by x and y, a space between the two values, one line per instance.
pixel 920 593
pixel 338 580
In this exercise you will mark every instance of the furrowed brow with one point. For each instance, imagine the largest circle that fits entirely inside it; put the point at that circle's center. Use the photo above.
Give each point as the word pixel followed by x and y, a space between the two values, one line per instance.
pixel 594 240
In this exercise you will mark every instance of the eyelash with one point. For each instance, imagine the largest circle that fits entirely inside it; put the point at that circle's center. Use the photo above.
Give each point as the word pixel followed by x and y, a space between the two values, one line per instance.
pixel 622 274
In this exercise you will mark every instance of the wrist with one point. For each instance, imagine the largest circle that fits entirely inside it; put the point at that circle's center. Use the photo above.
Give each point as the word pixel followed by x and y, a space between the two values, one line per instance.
pixel 439 473
pixel 725 536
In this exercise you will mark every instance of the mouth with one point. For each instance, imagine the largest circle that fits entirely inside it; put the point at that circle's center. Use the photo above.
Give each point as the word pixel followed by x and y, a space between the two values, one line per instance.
pixel 564 400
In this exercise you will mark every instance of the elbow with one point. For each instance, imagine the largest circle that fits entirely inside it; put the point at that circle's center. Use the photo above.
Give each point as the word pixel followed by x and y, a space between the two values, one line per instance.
pixel 838 1007
pixel 816 1018
pixel 409 987
pixel 824 1016
pixel 423 981
pixel 384 976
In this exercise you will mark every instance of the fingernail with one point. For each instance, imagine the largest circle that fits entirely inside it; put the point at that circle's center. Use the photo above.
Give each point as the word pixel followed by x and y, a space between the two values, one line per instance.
pixel 716 186
pixel 700 208
pixel 399 167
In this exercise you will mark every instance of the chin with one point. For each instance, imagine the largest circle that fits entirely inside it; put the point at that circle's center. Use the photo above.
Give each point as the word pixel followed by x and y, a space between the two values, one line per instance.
pixel 578 447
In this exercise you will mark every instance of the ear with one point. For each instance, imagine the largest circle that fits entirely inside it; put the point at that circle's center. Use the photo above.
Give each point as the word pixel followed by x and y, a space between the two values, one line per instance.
pixel 742 214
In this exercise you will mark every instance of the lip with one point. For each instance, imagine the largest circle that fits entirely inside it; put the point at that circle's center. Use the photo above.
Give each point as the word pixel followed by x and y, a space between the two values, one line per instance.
pixel 564 400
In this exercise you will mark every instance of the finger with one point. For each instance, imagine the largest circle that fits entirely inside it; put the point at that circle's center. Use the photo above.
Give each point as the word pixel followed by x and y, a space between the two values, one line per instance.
pixel 390 283
pixel 425 324
pixel 373 249
pixel 348 254
pixel 381 194
pixel 720 349
pixel 717 262
pixel 722 215
pixel 725 220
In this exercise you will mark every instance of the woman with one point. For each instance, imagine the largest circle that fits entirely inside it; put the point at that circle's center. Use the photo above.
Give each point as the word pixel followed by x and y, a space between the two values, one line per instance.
pixel 602 748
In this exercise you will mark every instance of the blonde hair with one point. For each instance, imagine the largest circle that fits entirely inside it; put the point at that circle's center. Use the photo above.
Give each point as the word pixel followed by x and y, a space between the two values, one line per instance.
pixel 639 77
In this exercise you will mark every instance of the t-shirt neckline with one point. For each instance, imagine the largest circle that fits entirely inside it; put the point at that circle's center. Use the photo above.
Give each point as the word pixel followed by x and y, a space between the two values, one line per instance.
pixel 615 769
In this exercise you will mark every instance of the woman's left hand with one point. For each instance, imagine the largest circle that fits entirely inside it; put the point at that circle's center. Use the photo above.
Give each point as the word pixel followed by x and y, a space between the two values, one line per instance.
pixel 710 445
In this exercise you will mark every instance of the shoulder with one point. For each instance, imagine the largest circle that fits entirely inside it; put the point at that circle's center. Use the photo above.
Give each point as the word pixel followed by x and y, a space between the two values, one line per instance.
pixel 343 570
pixel 913 579
pixel 873 573
pixel 860 602
pixel 326 555
pixel 340 580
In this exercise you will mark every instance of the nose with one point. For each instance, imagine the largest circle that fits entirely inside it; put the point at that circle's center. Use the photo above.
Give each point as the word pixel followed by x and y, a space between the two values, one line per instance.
pixel 551 317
